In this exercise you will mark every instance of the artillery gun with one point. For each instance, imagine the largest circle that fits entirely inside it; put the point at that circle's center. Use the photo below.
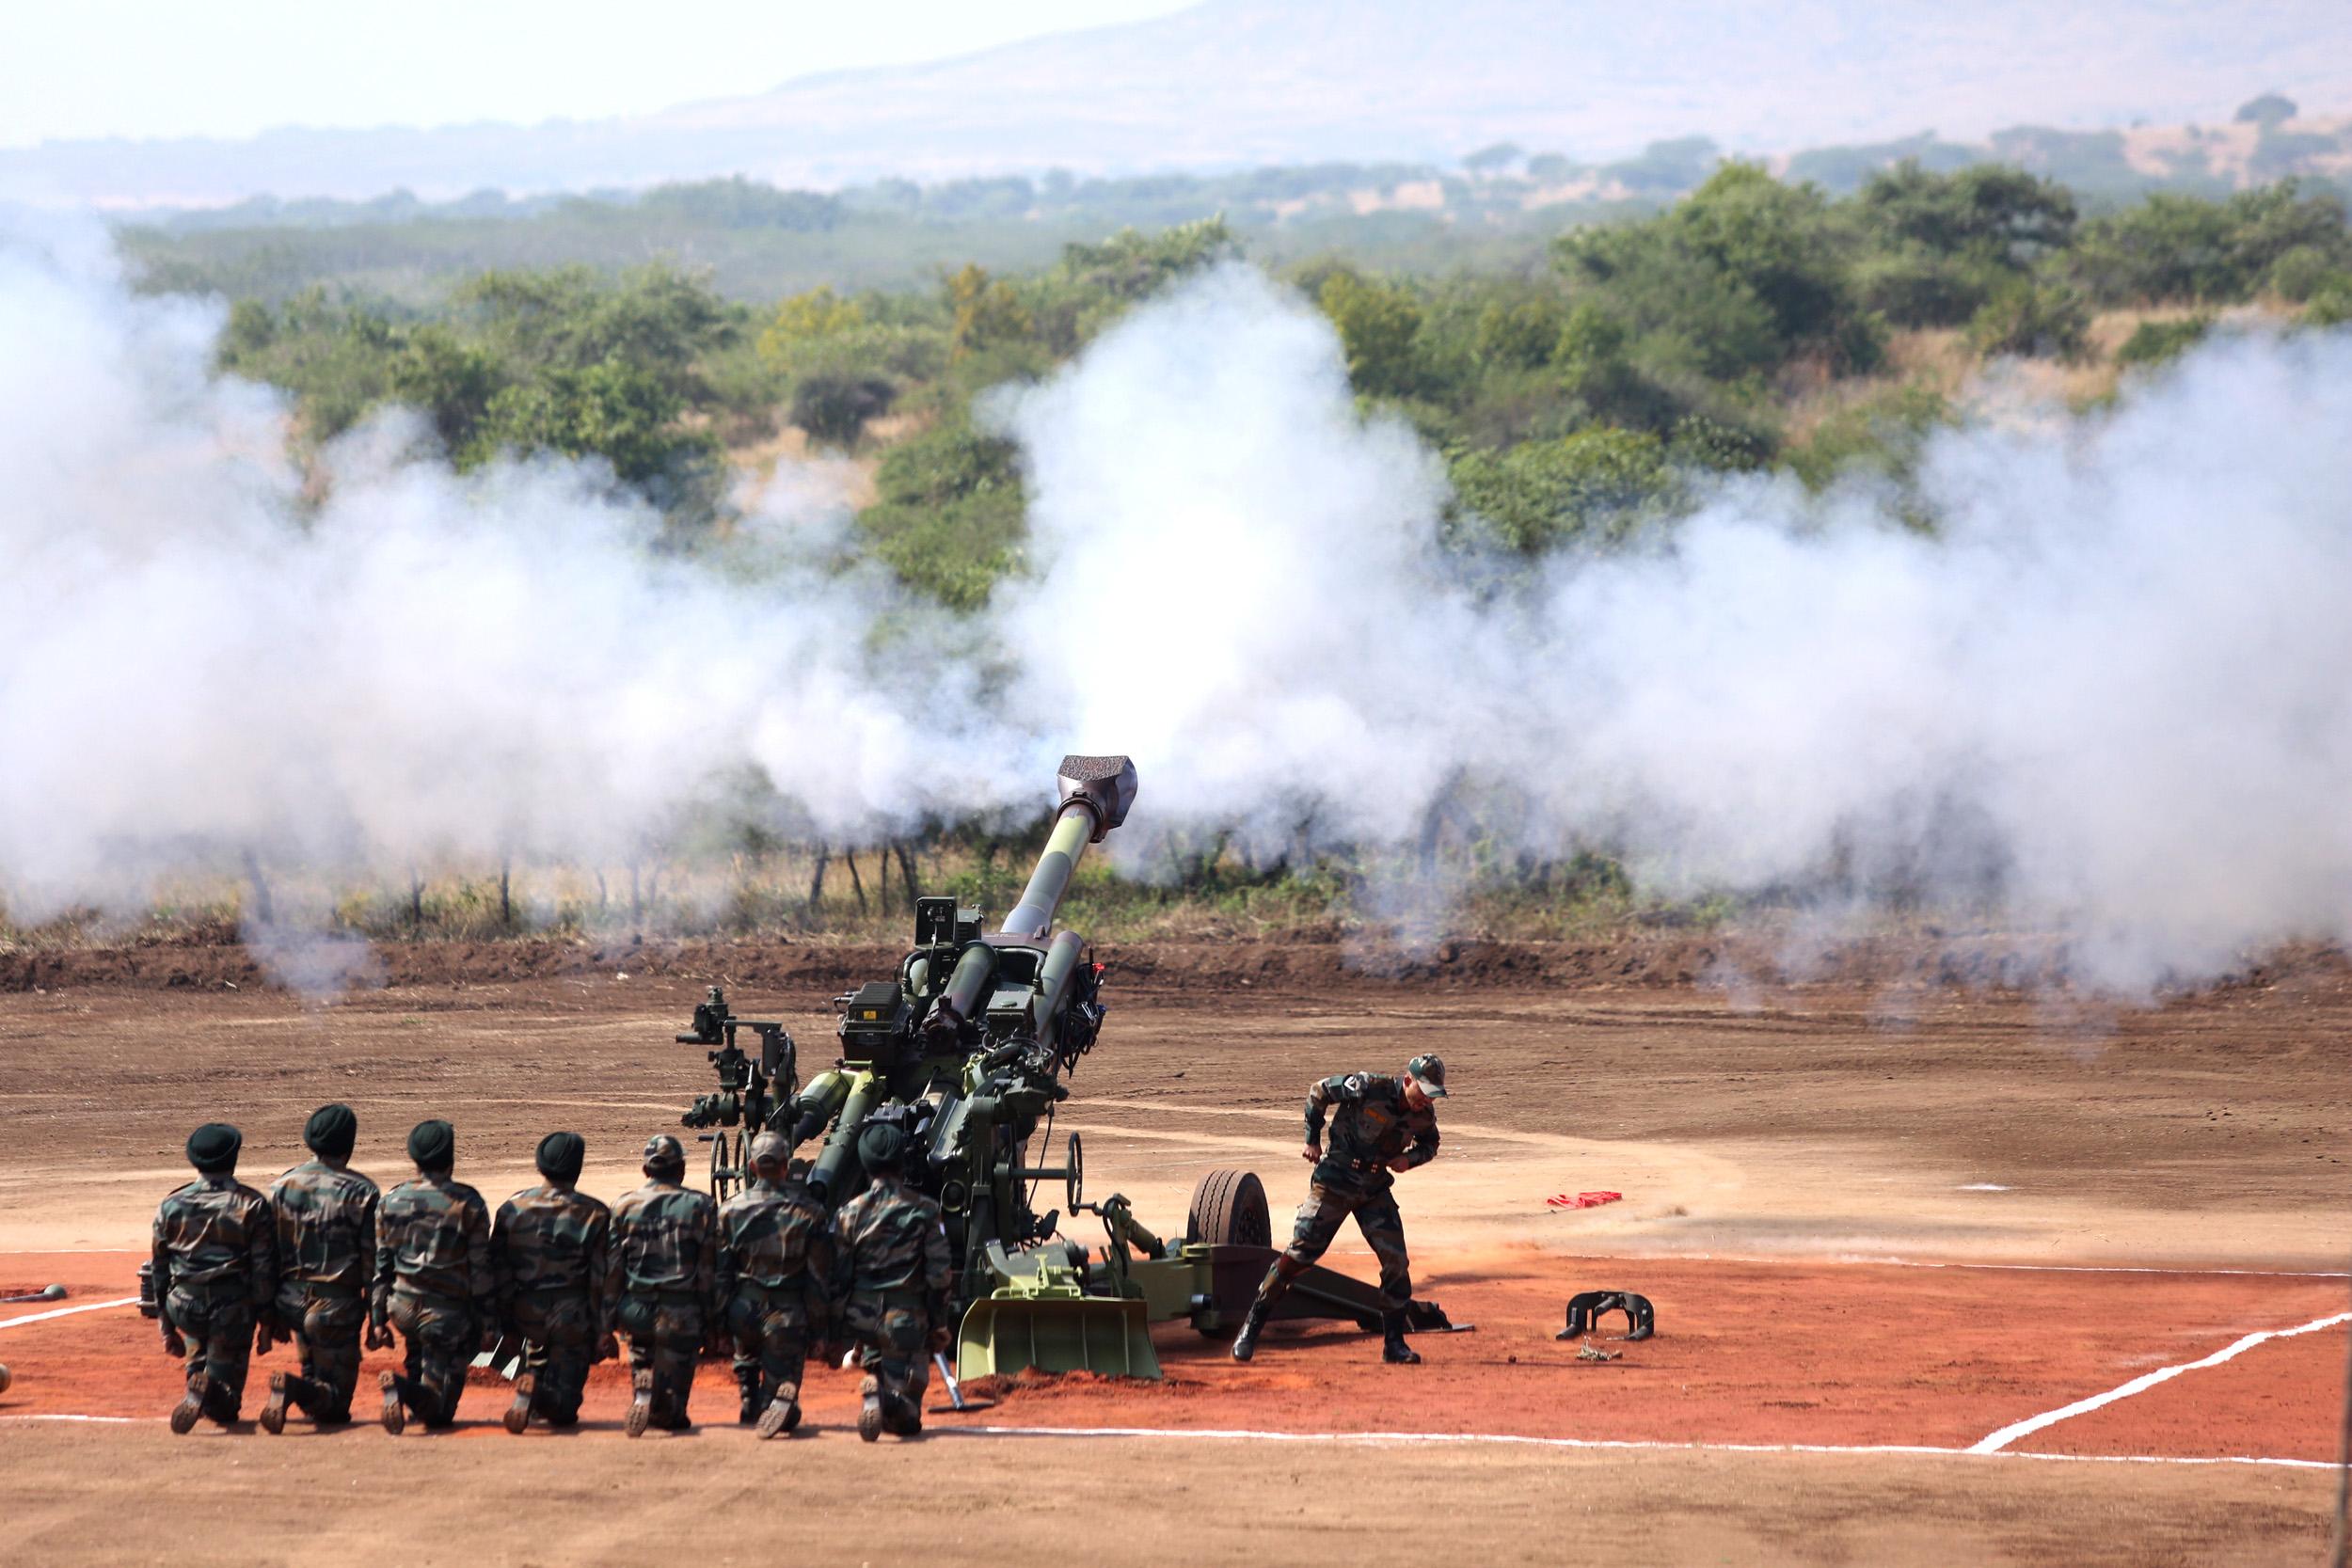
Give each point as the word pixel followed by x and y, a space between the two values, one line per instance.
pixel 967 1050
pixel 748 1088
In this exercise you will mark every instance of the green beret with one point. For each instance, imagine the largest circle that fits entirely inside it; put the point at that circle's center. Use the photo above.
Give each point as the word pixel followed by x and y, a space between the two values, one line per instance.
pixel 560 1155
pixel 331 1130
pixel 213 1148
pixel 433 1144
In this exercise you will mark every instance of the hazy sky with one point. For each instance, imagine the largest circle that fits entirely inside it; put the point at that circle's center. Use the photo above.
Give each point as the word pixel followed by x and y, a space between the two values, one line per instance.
pixel 165 67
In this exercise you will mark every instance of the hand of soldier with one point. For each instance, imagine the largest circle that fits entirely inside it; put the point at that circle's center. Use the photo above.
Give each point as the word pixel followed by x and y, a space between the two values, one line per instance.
pixel 173 1344
pixel 608 1349
pixel 1312 1154
pixel 1399 1164
pixel 263 1338
pixel 941 1338
pixel 377 1336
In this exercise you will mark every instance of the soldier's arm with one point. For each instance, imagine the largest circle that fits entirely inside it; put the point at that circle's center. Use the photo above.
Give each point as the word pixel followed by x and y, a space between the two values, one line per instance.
pixel 1338 1089
pixel 380 1288
pixel 722 1288
pixel 501 1254
pixel 617 1267
pixel 160 1266
pixel 482 1275
pixel 260 1248
pixel 600 1272
pixel 1423 1151
pixel 706 1265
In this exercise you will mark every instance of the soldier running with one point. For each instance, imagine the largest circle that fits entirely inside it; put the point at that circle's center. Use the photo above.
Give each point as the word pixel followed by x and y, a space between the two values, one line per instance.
pixel 775 1262
pixel 326 1252
pixel 435 1282
pixel 661 1289
pixel 553 1246
pixel 1384 1125
pixel 216 1268
pixel 892 1259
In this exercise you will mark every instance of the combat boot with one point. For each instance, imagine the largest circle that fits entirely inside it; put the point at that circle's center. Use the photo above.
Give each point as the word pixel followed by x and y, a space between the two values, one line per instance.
pixel 753 1406
pixel 185 1414
pixel 869 1416
pixel 1393 1349
pixel 782 1412
pixel 273 1415
pixel 1245 1342
pixel 395 1416
pixel 906 1418
pixel 641 1403
pixel 518 1412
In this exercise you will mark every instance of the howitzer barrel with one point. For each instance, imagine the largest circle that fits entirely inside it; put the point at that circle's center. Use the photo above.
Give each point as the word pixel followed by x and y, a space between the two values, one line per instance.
pixel 1096 793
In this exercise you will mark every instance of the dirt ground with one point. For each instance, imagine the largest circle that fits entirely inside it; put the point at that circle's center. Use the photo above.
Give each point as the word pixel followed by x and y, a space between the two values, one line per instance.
pixel 1876 1211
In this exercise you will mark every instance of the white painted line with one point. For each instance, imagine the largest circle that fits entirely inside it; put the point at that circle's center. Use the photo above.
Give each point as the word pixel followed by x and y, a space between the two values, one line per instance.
pixel 66 1312
pixel 1410 1439
pixel 1398 1439
pixel 1995 1441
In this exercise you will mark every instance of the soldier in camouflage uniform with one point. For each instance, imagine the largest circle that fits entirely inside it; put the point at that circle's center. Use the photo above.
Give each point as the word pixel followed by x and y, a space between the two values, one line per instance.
pixel 552 1243
pixel 1384 1125
pixel 891 1257
pixel 326 1253
pixel 662 1288
pixel 775 1262
pixel 216 1268
pixel 434 1281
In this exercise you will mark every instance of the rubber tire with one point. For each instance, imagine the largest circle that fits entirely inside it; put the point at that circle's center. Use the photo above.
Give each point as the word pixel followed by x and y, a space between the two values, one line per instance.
pixel 1229 1209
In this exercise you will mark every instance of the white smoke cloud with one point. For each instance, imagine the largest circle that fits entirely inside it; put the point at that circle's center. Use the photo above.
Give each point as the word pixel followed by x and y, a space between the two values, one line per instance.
pixel 2111 696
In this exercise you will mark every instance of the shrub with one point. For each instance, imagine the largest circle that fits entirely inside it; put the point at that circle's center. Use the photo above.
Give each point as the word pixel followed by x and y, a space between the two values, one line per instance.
pixel 2036 320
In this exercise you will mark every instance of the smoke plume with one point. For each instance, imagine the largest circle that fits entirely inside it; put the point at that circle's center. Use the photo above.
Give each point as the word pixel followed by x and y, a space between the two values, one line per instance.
pixel 2108 696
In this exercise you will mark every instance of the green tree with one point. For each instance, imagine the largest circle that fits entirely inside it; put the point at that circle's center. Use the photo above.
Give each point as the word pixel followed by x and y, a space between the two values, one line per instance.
pixel 1596 487
pixel 988 311
pixel 2032 319
pixel 1377 323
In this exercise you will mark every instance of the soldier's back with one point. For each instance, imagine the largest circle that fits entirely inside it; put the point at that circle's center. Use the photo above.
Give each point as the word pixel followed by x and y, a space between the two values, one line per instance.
pixel 547 1234
pixel 209 1227
pixel 660 1233
pixel 325 1223
pixel 768 1231
pixel 885 1230
pixel 433 1226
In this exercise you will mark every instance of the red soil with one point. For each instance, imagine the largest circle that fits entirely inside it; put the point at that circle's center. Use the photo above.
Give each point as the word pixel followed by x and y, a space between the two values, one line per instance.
pixel 1746 1353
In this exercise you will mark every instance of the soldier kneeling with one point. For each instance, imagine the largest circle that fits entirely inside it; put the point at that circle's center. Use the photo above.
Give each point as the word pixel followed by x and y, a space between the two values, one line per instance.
pixel 216 1266
pixel 775 1259
pixel 893 1258
pixel 662 1286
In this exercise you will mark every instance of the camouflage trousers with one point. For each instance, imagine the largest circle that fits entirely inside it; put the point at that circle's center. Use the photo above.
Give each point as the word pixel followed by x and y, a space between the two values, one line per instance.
pixel 219 1332
pixel 440 1336
pixel 325 1330
pixel 889 1327
pixel 770 1327
pixel 559 1333
pixel 1318 1223
pixel 663 1338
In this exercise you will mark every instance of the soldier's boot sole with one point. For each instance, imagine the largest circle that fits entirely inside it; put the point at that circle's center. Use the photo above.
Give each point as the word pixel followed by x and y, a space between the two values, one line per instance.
pixel 518 1412
pixel 273 1415
pixel 869 1420
pixel 641 1404
pixel 394 1414
pixel 185 1414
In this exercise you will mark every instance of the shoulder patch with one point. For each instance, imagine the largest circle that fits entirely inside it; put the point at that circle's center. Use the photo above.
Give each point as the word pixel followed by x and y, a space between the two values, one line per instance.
pixel 1355 1082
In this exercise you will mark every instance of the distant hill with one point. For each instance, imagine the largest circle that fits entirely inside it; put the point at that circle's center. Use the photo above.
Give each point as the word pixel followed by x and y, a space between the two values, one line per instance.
pixel 1236 83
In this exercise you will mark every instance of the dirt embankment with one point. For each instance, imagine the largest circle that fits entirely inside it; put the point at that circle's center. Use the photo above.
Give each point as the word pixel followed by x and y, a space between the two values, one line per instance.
pixel 1730 959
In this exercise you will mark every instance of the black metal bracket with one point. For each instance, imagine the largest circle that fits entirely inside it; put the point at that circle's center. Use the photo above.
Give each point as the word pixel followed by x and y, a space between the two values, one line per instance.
pixel 1586 1309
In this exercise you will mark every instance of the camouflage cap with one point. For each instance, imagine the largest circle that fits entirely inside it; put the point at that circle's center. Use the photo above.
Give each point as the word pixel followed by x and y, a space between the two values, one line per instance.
pixel 771 1151
pixel 213 1148
pixel 1429 1073
pixel 664 1152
